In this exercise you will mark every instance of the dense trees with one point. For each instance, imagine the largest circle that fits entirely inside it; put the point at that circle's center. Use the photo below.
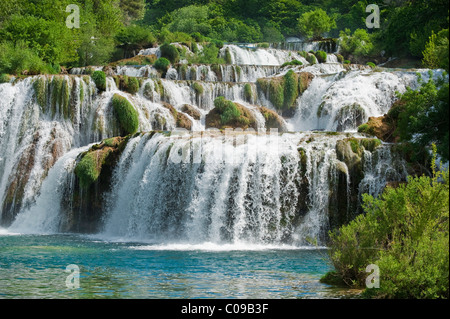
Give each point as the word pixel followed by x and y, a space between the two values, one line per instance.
pixel 116 29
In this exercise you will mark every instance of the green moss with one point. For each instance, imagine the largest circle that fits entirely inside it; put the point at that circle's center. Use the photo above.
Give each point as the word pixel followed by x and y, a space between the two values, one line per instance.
pixel 133 85
pixel 321 56
pixel 65 98
pixel 99 78
pixel 89 168
pixel 371 64
pixel 276 93
pixel 57 84
pixel 228 57
pixel 248 92
pixel 4 78
pixel 40 90
pixel 370 144
pixel 293 62
pixel 162 65
pixel 340 58
pixel 311 59
pixel 290 89
pixel 198 88
pixel 126 114
pixel 192 73
pixel 347 62
pixel 183 69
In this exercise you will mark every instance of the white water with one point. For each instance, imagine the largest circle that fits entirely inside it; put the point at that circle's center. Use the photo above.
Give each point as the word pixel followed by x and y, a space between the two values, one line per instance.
pixel 252 191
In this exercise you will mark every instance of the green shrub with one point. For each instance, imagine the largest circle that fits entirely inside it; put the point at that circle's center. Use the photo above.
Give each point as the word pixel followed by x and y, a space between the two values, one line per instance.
pixel 371 64
pixel 347 62
pixel 230 113
pixel 99 78
pixel 311 58
pixel 170 52
pixel 340 58
pixel 126 114
pixel 303 54
pixel 162 65
pixel 290 89
pixel 248 92
pixel 198 88
pixel 132 85
pixel 405 232
pixel 321 56
pixel 4 78
pixel 293 62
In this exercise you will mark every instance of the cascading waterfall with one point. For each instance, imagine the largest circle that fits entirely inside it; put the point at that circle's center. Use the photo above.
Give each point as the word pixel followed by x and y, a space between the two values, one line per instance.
pixel 200 186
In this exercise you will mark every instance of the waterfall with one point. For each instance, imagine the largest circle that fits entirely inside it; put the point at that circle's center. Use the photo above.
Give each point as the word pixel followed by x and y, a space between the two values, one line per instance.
pixel 197 185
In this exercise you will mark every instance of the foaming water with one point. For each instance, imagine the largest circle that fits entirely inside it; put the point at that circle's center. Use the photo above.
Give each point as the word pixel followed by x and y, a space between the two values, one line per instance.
pixel 210 246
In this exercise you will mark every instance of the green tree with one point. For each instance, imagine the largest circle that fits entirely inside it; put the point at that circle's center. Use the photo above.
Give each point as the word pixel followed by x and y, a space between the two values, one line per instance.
pixel 405 232
pixel 314 24
pixel 436 51
pixel 424 116
pixel 359 43
pixel 132 10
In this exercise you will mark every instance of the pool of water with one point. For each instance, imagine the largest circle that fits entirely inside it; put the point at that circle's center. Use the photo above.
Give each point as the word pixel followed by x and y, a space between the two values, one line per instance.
pixel 35 266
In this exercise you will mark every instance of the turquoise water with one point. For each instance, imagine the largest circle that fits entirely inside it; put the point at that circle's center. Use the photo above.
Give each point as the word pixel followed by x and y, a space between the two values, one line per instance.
pixel 34 266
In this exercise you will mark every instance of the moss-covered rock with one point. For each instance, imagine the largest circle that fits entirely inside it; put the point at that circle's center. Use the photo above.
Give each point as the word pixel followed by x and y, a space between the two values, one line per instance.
pixel 273 120
pixel 349 117
pixel 40 91
pixel 227 114
pixel 99 78
pixel 283 91
pixel 382 127
pixel 192 111
pixel 321 56
pixel 248 93
pixel 198 88
pixel 182 121
pixel 126 114
pixel 92 162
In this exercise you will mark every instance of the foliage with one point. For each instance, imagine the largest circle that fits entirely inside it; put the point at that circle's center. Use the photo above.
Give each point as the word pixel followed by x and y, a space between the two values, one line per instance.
pixel 4 78
pixel 99 78
pixel 126 114
pixel 359 43
pixel 293 62
pixel 190 19
pixel 170 52
pixel 162 65
pixel 314 24
pixel 134 37
pixel 436 51
pixel 405 233
pixel 20 59
pixel 424 116
pixel 290 89
pixel 321 56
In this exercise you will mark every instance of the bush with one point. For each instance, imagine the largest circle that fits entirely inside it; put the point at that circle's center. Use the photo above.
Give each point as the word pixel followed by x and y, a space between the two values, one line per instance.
pixel 162 65
pixel 315 23
pixel 132 85
pixel 20 59
pixel 347 62
pixel 293 62
pixel 371 64
pixel 311 58
pixel 321 56
pixel 198 88
pixel 358 44
pixel 99 78
pixel 436 51
pixel 126 114
pixel 405 233
pixel 170 52
pixel 4 78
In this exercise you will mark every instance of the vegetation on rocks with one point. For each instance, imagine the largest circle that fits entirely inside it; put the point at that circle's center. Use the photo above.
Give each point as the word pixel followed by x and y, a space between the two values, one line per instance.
pixel 405 233
pixel 99 78
pixel 229 114
pixel 126 114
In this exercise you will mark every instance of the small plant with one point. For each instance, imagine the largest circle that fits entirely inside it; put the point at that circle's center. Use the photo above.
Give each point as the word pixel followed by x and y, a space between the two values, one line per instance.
pixel 99 78
pixel 321 56
pixel 198 88
pixel 371 64
pixel 347 62
pixel 4 78
pixel 126 114
pixel 170 52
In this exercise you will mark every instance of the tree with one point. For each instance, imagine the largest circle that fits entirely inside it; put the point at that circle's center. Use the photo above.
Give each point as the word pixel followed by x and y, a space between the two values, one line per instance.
pixel 132 10
pixel 436 51
pixel 424 116
pixel 358 44
pixel 314 24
